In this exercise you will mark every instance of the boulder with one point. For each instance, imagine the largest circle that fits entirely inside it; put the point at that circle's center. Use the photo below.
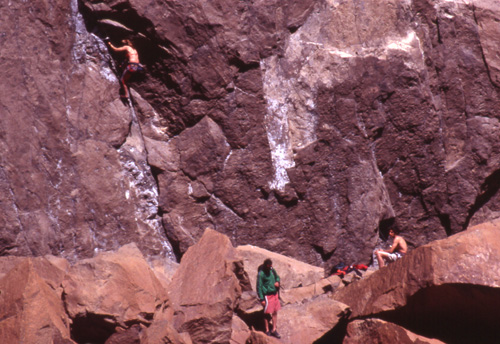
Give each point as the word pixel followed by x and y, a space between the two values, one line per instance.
pixel 297 295
pixel 239 332
pixel 375 331
pixel 162 331
pixel 311 320
pixel 31 308
pixel 164 269
pixel 50 268
pixel 114 289
pixel 249 303
pixel 448 289
pixel 206 287
pixel 130 335
pixel 293 273
pixel 257 337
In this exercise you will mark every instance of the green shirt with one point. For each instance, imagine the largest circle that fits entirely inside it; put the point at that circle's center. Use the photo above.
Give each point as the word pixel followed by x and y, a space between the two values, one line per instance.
pixel 265 283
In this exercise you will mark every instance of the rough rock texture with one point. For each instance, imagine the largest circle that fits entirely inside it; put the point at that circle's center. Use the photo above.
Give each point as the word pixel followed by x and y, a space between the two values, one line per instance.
pixel 205 289
pixel 309 321
pixel 164 269
pixel 31 309
pixel 297 295
pixel 114 289
pixel 326 118
pixel 132 335
pixel 374 331
pixel 299 126
pixel 114 298
pixel 261 338
pixel 73 177
pixel 449 289
pixel 163 332
pixel 292 272
pixel 239 331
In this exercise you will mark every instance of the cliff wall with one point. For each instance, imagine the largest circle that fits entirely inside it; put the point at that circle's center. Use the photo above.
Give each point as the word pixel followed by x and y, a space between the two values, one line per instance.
pixel 304 127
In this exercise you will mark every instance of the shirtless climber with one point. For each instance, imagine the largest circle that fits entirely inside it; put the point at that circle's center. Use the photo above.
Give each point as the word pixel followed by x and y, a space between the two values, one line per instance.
pixel 133 64
pixel 397 250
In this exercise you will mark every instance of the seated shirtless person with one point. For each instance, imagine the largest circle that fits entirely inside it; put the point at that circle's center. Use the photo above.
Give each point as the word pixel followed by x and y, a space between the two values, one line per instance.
pixel 133 63
pixel 397 250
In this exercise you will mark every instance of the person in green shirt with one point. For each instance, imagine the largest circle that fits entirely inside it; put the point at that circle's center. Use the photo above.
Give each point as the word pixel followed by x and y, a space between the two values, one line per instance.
pixel 268 283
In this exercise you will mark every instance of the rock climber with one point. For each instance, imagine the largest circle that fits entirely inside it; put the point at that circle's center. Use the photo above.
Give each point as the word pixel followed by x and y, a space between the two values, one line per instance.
pixel 268 283
pixel 133 65
pixel 397 250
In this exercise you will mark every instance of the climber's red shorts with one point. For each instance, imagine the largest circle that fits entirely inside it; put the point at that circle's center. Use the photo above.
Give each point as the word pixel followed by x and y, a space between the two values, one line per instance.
pixel 272 304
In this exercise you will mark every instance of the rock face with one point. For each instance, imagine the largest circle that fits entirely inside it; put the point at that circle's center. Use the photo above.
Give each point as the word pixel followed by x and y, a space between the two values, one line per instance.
pixel 448 289
pixel 293 273
pixel 118 297
pixel 205 289
pixel 309 321
pixel 299 126
pixel 74 177
pixel 110 291
pixel 443 292
pixel 297 295
pixel 378 331
pixel 31 309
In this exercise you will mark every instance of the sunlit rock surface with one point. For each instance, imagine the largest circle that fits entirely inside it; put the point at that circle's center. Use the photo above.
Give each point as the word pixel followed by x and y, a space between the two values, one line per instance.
pixel 448 289
pixel 300 126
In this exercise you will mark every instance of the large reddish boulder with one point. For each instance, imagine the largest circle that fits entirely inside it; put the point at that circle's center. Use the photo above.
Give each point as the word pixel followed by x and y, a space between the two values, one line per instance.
pixel 206 287
pixel 162 331
pixel 293 273
pixel 31 308
pixel 374 331
pixel 297 295
pixel 310 320
pixel 449 289
pixel 113 290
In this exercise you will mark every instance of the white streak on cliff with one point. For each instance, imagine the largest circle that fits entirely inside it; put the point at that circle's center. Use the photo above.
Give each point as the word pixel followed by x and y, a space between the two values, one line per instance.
pixel 276 121
pixel 80 33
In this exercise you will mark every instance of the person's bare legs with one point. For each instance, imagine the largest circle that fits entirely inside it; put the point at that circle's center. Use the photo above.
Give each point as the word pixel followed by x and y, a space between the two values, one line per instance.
pixel 275 321
pixel 123 80
pixel 380 258
pixel 266 323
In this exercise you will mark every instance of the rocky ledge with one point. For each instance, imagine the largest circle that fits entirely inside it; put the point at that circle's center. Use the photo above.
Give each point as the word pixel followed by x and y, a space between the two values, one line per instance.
pixel 446 291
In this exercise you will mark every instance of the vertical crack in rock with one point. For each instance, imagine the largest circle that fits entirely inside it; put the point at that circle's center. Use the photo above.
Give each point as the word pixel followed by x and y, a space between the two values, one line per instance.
pixel 139 184
pixel 85 41
pixel 133 156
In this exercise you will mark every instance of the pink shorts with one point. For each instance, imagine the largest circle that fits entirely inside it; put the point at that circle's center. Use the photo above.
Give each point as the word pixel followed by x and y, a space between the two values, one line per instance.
pixel 272 304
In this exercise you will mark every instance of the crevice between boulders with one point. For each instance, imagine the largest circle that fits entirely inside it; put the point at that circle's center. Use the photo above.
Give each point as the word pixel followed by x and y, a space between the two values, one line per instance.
pixel 335 335
pixel 92 328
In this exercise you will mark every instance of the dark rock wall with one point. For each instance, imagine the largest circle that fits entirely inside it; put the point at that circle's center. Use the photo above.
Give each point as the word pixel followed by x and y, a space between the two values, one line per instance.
pixel 72 177
pixel 298 126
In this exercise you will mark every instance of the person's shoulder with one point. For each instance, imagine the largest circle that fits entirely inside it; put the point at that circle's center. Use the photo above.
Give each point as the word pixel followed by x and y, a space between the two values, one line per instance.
pixel 400 240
